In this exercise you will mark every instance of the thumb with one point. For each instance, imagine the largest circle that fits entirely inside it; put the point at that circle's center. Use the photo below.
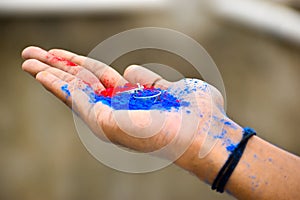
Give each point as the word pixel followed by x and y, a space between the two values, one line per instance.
pixel 144 76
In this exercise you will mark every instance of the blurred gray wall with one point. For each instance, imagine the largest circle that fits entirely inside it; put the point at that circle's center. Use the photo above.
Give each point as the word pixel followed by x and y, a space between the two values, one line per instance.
pixel 41 154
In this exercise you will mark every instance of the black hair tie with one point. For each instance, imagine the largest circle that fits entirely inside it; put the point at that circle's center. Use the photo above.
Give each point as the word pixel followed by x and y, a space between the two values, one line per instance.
pixel 234 158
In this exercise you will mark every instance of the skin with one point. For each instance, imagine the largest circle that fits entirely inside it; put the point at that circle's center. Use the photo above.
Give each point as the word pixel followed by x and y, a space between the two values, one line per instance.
pixel 264 171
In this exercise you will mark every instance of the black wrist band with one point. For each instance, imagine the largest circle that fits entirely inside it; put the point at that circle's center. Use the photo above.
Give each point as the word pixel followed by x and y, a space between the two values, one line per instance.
pixel 234 158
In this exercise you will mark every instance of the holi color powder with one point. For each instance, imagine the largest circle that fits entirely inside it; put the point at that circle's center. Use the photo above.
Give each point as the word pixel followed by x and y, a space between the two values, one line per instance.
pixel 64 88
pixel 231 147
pixel 145 99
pixel 128 98
pixel 222 135
pixel 55 59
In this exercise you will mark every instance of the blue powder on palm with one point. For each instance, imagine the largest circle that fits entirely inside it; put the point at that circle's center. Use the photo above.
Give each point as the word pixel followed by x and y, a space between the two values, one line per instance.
pixel 146 99
pixel 64 88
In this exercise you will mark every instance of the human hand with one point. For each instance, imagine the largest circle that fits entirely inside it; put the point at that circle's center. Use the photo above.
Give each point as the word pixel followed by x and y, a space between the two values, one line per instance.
pixel 197 117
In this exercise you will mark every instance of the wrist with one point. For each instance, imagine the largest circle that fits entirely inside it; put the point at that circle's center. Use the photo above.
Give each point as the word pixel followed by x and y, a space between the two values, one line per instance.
pixel 207 168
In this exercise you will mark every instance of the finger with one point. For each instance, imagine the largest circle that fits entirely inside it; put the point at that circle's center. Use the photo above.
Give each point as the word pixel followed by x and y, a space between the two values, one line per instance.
pixel 28 52
pixel 34 67
pixel 107 75
pixel 69 93
pixel 55 85
pixel 63 64
pixel 139 74
pixel 42 55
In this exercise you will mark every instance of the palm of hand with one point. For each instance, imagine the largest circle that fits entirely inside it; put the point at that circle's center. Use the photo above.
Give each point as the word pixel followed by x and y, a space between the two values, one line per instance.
pixel 68 76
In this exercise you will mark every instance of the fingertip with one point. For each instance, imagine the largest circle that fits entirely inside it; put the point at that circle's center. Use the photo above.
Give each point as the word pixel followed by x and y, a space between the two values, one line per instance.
pixel 41 75
pixel 24 65
pixel 27 64
pixel 25 52
pixel 130 69
pixel 28 51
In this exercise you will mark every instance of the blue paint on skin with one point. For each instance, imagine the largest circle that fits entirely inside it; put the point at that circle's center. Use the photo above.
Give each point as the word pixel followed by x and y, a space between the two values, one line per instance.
pixel 247 164
pixel 227 123
pixel 254 185
pixel 198 85
pixel 206 126
pixel 215 118
pixel 134 101
pixel 222 135
pixel 185 103
pixel 231 147
pixel 64 88
pixel 252 177
pixel 204 87
pixel 255 156
pixel 230 124
pixel 270 159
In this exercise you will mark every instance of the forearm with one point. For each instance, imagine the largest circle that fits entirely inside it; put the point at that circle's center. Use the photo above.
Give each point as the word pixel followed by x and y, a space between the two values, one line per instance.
pixel 263 172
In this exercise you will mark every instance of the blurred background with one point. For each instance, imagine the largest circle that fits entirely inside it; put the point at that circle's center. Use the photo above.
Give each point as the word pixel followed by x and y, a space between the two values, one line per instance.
pixel 255 44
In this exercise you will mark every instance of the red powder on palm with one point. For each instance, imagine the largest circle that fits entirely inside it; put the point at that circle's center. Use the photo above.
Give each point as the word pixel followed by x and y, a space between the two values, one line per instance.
pixel 110 92
pixel 55 59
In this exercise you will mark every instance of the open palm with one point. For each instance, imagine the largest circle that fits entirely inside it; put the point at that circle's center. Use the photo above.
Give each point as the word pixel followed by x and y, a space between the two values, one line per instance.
pixel 72 78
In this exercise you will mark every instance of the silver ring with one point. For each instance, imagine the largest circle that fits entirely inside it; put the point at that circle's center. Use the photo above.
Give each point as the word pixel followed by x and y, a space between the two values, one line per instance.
pixel 147 97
